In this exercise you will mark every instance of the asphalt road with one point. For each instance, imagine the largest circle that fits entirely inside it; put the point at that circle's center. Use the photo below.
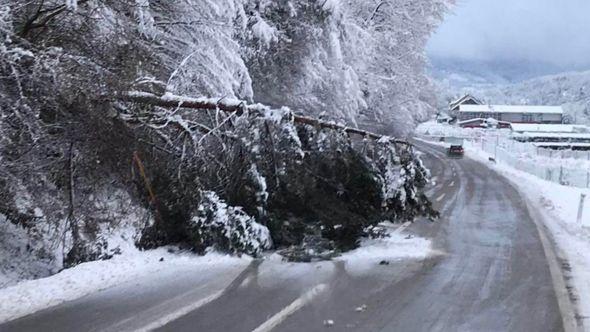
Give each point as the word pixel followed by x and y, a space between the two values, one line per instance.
pixel 490 274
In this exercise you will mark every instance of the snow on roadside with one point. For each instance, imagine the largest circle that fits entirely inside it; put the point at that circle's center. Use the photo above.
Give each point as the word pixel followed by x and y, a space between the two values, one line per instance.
pixel 33 295
pixel 16 262
pixel 400 246
pixel 560 205
pixel 396 247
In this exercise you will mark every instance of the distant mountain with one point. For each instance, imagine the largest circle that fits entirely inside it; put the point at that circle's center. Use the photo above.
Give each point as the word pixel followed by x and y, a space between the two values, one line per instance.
pixel 469 73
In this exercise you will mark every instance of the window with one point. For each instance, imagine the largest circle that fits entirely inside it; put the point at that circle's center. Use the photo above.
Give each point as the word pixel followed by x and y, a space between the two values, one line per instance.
pixel 527 117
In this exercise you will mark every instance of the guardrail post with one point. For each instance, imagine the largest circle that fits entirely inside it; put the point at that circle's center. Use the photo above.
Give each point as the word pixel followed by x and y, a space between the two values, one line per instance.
pixel 496 148
pixel 561 175
pixel 581 207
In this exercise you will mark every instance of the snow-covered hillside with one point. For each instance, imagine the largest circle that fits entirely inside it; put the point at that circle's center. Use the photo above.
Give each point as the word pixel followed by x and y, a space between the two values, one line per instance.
pixel 570 90
pixel 461 73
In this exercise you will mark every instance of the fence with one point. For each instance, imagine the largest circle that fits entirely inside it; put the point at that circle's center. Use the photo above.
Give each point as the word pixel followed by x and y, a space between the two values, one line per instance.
pixel 564 154
pixel 568 168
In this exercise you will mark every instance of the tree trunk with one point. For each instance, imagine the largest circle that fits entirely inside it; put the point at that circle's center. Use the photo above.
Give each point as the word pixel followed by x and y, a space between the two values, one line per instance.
pixel 236 106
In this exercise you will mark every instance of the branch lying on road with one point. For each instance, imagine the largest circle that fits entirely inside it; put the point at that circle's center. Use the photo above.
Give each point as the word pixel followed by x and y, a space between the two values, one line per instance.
pixel 237 106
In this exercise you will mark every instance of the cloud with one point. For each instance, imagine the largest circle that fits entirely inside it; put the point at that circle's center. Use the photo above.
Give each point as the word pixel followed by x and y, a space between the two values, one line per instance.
pixel 554 31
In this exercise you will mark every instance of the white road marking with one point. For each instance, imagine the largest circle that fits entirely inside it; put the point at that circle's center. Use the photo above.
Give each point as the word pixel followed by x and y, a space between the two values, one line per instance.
pixel 439 198
pixel 179 313
pixel 452 184
pixel 402 227
pixel 299 303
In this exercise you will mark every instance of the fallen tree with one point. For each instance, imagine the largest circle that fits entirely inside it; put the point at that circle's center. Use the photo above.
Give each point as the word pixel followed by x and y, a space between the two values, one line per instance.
pixel 236 106
pixel 300 177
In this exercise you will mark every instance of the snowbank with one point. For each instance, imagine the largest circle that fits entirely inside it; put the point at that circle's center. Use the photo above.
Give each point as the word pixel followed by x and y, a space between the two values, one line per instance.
pixel 364 261
pixel 396 247
pixel 33 295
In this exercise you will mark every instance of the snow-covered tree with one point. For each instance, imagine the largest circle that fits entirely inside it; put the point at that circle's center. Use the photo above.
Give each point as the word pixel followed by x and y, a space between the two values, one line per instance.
pixel 358 61
pixel 78 163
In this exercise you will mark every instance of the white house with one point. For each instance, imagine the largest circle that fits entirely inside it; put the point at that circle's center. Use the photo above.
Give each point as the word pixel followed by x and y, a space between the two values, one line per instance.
pixel 465 100
pixel 512 114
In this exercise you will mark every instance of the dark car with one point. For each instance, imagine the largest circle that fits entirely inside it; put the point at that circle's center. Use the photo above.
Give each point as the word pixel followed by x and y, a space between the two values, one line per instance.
pixel 455 151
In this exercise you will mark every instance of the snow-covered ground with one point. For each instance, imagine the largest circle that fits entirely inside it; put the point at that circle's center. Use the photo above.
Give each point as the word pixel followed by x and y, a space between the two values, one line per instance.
pixel 16 261
pixel 30 296
pixel 397 247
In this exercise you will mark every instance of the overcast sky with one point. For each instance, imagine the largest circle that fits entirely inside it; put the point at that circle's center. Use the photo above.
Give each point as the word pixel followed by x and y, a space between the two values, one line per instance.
pixel 555 31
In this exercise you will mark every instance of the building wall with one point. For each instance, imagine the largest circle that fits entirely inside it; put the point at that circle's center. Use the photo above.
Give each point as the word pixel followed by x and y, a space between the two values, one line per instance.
pixel 462 116
pixel 531 118
pixel 552 118
pixel 518 117
pixel 513 117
